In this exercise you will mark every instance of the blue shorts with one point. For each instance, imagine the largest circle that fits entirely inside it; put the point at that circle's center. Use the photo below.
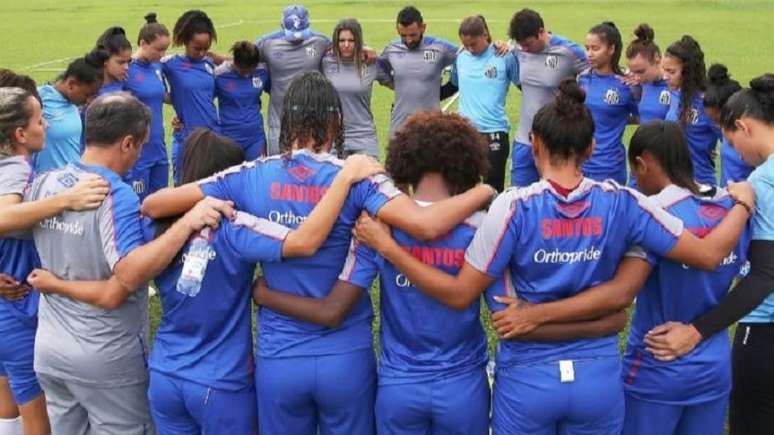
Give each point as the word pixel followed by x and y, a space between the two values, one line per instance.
pixel 17 351
pixel 523 169
pixel 146 179
pixel 255 150
pixel 184 407
pixel 330 394
pixel 454 405
pixel 701 419
pixel 533 400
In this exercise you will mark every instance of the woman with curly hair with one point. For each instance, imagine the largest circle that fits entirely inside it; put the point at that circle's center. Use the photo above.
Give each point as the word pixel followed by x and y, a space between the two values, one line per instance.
pixel 686 74
pixel 315 379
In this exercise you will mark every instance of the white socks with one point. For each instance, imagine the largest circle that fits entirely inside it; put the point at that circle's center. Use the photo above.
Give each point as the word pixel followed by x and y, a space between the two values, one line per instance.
pixel 11 426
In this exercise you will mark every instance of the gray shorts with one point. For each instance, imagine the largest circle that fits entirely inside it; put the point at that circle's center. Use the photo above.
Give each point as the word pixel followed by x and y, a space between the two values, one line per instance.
pixel 78 409
pixel 272 147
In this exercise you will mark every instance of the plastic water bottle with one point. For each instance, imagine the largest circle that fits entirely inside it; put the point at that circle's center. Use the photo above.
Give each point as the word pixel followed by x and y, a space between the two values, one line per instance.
pixel 195 264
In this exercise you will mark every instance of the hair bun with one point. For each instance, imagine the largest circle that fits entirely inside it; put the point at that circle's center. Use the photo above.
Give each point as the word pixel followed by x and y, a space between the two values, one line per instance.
pixel 717 74
pixel 150 18
pixel 645 33
pixel 570 98
pixel 611 24
pixel 97 57
pixel 763 84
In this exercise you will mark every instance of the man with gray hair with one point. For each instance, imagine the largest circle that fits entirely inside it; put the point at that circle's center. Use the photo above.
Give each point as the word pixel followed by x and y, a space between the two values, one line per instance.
pixel 90 360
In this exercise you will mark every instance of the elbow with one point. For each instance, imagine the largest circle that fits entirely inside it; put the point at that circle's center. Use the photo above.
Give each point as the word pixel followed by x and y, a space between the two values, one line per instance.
pixel 460 302
pixel 332 318
pixel 111 302
pixel 304 248
pixel 147 209
pixel 425 231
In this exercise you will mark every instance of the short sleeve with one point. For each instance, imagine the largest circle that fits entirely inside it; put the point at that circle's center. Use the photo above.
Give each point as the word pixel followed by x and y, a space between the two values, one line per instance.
pixel 229 184
pixel 119 224
pixel 495 241
pixel 512 67
pixel 254 239
pixel 649 225
pixel 372 193
pixel 762 181
pixel 501 287
pixel 579 62
pixel 449 53
pixel 15 176
pixel 361 267
pixel 634 100
pixel 638 252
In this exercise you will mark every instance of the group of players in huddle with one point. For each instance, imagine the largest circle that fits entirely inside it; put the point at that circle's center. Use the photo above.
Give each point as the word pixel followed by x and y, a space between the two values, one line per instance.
pixel 87 221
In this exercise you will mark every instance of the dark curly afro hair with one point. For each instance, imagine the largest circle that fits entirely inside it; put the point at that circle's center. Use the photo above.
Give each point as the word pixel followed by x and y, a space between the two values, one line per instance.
pixel 445 143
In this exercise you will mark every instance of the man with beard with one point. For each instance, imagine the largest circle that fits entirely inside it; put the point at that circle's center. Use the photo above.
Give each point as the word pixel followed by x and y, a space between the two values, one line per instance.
pixel 415 61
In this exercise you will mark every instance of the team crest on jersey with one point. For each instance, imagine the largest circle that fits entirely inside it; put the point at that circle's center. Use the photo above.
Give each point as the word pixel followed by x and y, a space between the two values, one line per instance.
pixel 612 96
pixel 277 54
pixel 138 186
pixel 665 98
pixel 552 61
pixel 573 209
pixel 257 83
pixel 491 72
pixel 693 116
pixel 430 56
pixel 712 212
pixel 301 172
pixel 66 179
pixel 311 51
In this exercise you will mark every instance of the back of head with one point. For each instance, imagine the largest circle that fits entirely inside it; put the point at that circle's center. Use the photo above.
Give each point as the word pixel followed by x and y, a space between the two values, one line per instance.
pixel 438 142
pixel 720 86
pixel 87 69
pixel 14 113
pixel 609 34
pixel 246 54
pixel 524 24
pixel 665 141
pixel 189 24
pixel 152 29
pixel 408 16
pixel 694 72
pixel 756 102
pixel 114 41
pixel 565 124
pixel 207 153
pixel 311 114
pixel 114 116
pixel 643 44
pixel 9 79
pixel 474 26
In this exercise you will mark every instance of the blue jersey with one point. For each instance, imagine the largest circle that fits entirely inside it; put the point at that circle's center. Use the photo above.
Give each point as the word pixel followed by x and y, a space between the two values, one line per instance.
pixel 654 103
pixel 483 82
pixel 421 338
pixel 192 89
pixel 207 338
pixel 114 86
pixel 732 166
pixel 701 134
pixel 63 135
pixel 146 82
pixel 676 292
pixel 611 103
pixel 554 247
pixel 285 190
pixel 762 222
pixel 17 251
pixel 239 103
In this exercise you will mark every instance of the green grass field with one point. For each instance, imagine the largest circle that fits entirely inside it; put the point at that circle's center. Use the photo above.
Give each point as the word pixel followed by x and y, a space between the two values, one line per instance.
pixel 40 36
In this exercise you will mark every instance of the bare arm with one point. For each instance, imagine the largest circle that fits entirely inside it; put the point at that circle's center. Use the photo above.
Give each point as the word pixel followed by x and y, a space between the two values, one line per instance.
pixel 147 261
pixel 307 239
pixel 427 223
pixel 329 311
pixel 172 201
pixel 457 292
pixel 16 215
pixel 610 324
pixel 108 294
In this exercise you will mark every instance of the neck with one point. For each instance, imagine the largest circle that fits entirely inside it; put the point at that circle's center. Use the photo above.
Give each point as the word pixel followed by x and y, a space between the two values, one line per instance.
pixel 102 156
pixel 431 188
pixel 61 88
pixel 605 70
pixel 309 146
pixel 567 175
pixel 141 55
pixel 19 150
pixel 106 79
